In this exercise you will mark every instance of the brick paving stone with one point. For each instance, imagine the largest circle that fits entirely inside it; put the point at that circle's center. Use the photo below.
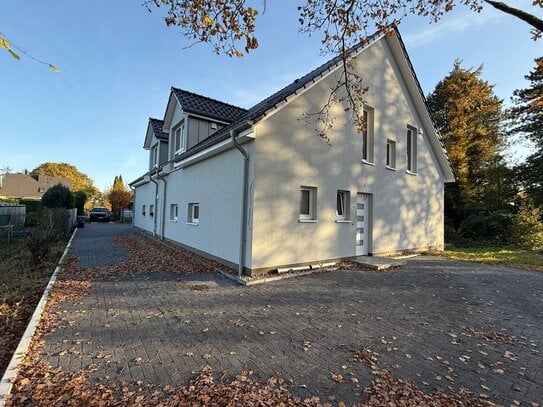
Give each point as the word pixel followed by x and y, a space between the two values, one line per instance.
pixel 416 318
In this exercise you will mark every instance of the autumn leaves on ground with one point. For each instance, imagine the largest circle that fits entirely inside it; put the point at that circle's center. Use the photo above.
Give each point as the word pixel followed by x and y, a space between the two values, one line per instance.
pixel 39 384
pixel 22 282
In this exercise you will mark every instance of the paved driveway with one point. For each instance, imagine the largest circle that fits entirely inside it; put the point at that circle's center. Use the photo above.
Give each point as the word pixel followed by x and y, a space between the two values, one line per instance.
pixel 439 323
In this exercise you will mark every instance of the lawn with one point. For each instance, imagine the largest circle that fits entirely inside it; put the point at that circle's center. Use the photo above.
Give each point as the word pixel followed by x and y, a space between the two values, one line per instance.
pixel 496 255
pixel 21 285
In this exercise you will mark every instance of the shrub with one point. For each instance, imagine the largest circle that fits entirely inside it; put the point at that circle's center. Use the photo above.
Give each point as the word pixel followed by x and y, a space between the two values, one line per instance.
pixel 57 196
pixel 527 228
pixel 481 229
pixel 39 243
pixel 79 201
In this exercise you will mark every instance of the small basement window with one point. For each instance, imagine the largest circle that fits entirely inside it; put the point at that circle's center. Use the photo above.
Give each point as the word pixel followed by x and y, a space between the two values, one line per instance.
pixel 194 213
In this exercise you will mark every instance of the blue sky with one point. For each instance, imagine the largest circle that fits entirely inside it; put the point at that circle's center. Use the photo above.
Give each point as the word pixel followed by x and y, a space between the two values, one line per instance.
pixel 117 63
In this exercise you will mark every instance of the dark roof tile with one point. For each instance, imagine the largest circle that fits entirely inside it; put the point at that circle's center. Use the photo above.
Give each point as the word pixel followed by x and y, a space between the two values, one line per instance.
pixel 215 109
pixel 157 126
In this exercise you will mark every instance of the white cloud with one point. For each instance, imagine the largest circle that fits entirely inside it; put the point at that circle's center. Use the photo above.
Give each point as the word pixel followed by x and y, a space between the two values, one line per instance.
pixel 451 24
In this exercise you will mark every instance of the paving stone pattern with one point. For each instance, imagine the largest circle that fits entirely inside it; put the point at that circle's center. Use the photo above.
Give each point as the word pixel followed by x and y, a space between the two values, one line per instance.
pixel 164 327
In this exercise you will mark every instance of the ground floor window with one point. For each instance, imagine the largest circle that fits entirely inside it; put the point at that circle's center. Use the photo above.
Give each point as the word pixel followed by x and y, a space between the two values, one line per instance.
pixel 194 213
pixel 308 203
pixel 343 199
pixel 143 210
pixel 151 210
pixel 174 211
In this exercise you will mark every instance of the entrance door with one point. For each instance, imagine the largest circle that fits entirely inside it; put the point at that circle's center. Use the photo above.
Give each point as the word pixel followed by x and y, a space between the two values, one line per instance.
pixel 362 222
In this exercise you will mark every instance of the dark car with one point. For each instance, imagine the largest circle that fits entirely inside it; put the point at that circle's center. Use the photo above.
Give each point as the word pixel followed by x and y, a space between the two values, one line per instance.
pixel 99 214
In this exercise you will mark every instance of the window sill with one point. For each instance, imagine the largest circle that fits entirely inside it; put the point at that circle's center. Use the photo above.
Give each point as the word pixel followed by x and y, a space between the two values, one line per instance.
pixel 411 173
pixel 368 162
pixel 192 223
pixel 308 220
pixel 173 220
pixel 343 221
pixel 390 168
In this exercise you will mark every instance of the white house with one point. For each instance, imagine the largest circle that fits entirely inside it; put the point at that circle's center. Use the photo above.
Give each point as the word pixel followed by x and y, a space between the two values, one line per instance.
pixel 259 188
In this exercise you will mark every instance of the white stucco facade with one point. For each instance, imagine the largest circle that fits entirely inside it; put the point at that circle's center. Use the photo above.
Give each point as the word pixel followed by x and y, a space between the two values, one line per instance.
pixel 406 209
pixel 403 205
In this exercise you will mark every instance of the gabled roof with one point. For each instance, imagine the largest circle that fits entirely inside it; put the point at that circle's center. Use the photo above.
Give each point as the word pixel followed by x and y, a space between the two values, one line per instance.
pixel 258 111
pixel 157 125
pixel 205 106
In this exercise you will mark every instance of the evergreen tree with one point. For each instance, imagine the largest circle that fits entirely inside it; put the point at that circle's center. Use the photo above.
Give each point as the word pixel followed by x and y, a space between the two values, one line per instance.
pixel 527 121
pixel 468 115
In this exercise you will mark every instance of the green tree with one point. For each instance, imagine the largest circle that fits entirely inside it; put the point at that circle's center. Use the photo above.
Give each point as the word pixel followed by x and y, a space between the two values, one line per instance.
pixel 80 198
pixel 527 228
pixel 58 196
pixel 80 181
pixel 527 121
pixel 469 117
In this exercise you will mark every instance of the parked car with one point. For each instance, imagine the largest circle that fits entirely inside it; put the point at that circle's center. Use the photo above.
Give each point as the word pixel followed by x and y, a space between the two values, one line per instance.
pixel 99 214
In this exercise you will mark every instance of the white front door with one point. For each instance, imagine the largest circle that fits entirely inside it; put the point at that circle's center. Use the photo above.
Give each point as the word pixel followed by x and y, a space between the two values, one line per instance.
pixel 362 222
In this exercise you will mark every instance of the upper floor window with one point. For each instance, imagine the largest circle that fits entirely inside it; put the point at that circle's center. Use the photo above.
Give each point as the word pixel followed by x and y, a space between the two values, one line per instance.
pixel 411 149
pixel 368 134
pixel 180 139
pixel 391 154
pixel 154 156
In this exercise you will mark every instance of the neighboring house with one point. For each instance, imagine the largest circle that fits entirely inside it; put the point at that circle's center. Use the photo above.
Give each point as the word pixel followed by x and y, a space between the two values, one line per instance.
pixel 295 200
pixel 28 186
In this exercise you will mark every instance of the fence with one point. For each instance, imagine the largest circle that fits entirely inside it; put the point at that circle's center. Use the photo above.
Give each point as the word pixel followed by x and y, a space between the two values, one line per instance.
pixel 72 218
pixel 17 214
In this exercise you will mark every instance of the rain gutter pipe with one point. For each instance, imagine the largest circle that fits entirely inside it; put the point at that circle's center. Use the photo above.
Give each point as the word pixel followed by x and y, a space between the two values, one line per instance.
pixel 161 177
pixel 156 200
pixel 243 229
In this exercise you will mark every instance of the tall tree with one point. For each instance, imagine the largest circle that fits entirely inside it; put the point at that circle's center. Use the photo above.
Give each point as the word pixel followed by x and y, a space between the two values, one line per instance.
pixel 80 181
pixel 527 121
pixel 469 117
pixel 119 196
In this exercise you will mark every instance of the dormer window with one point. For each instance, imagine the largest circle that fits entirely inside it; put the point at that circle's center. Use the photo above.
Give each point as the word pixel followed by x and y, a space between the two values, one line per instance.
pixel 180 139
pixel 154 156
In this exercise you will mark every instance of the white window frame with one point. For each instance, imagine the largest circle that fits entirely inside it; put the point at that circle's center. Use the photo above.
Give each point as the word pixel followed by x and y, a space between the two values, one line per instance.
pixel 151 211
pixel 143 210
pixel 368 135
pixel 343 199
pixel 174 212
pixel 411 150
pixel 193 217
pixel 390 159
pixel 312 204
pixel 154 156
pixel 179 143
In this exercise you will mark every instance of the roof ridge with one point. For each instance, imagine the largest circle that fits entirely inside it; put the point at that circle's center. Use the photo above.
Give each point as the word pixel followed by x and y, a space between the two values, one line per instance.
pixel 207 97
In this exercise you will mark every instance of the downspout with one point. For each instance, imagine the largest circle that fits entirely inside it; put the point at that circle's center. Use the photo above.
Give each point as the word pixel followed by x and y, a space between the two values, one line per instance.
pixel 133 205
pixel 156 201
pixel 243 231
pixel 163 207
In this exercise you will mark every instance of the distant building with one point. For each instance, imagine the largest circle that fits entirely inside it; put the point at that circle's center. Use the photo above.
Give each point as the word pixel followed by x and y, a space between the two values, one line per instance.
pixel 28 186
